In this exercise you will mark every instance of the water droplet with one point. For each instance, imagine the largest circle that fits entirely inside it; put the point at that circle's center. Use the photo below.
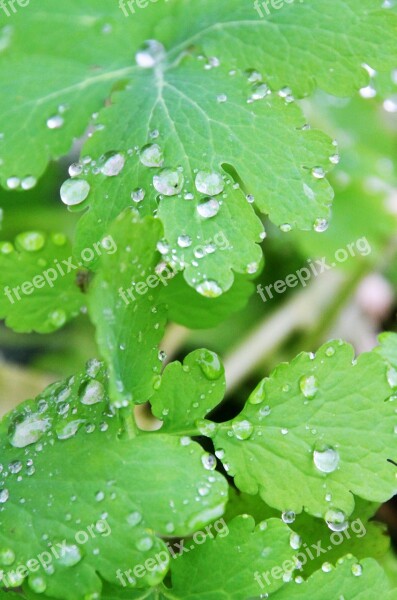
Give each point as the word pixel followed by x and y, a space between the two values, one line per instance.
pixel 326 460
pixel 288 516
pixel 138 195
pixel 13 183
pixel 326 567
pixel 93 393
pixel 184 241
pixel 28 182
pixel 242 429
pixel 57 318
pixel 210 365
pixel 330 351
pixel 55 122
pixel 169 182
pixel 209 208
pixel 31 241
pixel 295 541
pixel 259 91
pixel 68 429
pixel 112 164
pixel 252 268
pixel 209 183
pixel 4 495
pixel 209 289
pixel 285 228
pixel 318 172
pixel 336 520
pixel 74 191
pixel 334 159
pixel 144 544
pixel 259 394
pixel 27 429
pixel 209 461
pixel 37 584
pixel 150 54
pixel 392 377
pixel 320 225
pixel 221 98
pixel 134 518
pixel 75 169
pixel 309 386
pixel 70 555
pixel 152 156
pixel 7 557
pixel 15 467
pixel 357 570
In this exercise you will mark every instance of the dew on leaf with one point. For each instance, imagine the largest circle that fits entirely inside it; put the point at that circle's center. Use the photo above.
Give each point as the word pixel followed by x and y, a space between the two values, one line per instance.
pixel 242 429
pixel 209 461
pixel 334 159
pixel 336 520
pixel 75 169
pixel 7 557
pixel 357 570
pixel 209 289
pixel 184 241
pixel 13 183
pixel 74 191
pixel 70 555
pixel 259 91
pixel 93 393
pixel 259 393
pixel 308 386
pixel 112 164
pixel 28 182
pixel 134 518
pixel 144 544
pixel 150 54
pixel 168 182
pixel 221 98
pixel 57 317
pixel 66 430
pixel 210 364
pixel 27 429
pixel 152 156
pixel 138 195
pixel 55 122
pixel 318 172
pixel 37 584
pixel 209 183
pixel 285 228
pixel 288 516
pixel 4 495
pixel 209 208
pixel 295 541
pixel 326 460
pixel 320 225
pixel 31 241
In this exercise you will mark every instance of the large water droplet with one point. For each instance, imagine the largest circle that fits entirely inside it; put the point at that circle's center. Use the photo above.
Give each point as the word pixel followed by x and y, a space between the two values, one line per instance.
pixel 168 182
pixel 74 191
pixel 70 555
pixel 326 460
pixel 27 430
pixel 4 495
pixel 210 364
pixel 209 183
pixel 28 182
pixel 258 395
pixel 13 183
pixel 152 156
pixel 309 386
pixel 112 164
pixel 242 429
pixel 150 54
pixel 336 520
pixel 209 208
pixel 93 393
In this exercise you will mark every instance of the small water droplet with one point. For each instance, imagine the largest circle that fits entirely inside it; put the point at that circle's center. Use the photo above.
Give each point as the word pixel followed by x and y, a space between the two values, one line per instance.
pixel 55 122
pixel 336 520
pixel 28 182
pixel 209 289
pixel 134 518
pixel 150 54
pixel 93 393
pixel 138 195
pixel 152 156
pixel 112 164
pixel 320 225
pixel 31 241
pixel 318 172
pixel 13 183
pixel 184 241
pixel 288 516
pixel 242 429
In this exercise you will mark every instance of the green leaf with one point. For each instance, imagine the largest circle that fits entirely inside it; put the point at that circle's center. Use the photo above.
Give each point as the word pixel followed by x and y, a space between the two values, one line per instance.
pixel 38 277
pixel 187 393
pixel 207 239
pixel 67 470
pixel 210 571
pixel 356 581
pixel 85 51
pixel 187 307
pixel 130 325
pixel 322 424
